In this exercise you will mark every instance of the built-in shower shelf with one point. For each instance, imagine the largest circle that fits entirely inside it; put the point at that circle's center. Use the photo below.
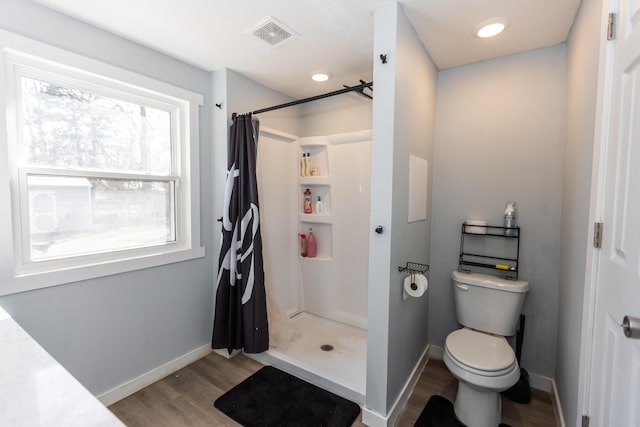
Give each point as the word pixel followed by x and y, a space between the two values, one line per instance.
pixel 317 153
pixel 313 141
pixel 320 218
pixel 323 235
pixel 315 180
pixel 317 160
pixel 318 258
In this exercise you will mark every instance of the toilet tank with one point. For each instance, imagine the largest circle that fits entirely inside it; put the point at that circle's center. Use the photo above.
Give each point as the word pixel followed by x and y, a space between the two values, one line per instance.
pixel 488 303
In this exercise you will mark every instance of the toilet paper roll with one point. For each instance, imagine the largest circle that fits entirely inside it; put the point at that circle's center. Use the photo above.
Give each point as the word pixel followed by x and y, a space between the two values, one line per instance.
pixel 415 285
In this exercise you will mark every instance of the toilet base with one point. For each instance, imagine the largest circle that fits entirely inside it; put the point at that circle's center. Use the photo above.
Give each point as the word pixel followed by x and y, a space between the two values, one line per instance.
pixel 478 408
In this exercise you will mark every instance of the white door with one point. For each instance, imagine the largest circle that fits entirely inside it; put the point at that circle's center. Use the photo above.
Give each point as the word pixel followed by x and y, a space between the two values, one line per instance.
pixel 614 397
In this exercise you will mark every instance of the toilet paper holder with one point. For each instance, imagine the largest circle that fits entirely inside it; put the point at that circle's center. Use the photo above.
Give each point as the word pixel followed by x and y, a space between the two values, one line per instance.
pixel 414 268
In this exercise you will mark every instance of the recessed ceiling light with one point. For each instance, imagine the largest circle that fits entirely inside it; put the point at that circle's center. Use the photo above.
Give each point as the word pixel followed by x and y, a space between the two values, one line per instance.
pixel 491 28
pixel 320 76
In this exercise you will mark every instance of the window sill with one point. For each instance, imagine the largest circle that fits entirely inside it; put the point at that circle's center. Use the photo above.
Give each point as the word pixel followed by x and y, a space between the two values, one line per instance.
pixel 43 279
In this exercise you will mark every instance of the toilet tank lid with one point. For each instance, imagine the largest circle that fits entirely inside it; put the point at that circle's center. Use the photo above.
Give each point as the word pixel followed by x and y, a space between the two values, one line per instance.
pixel 487 281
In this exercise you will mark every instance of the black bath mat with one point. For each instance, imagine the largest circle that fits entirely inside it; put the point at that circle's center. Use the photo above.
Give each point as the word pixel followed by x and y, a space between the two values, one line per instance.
pixel 271 397
pixel 439 412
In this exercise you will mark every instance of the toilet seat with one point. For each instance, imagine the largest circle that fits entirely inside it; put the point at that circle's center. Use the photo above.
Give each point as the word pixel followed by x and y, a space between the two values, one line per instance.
pixel 480 353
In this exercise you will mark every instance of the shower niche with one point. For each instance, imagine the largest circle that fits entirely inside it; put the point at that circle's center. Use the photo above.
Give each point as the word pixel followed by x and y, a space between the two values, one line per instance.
pixel 322 233
pixel 315 151
pixel 322 190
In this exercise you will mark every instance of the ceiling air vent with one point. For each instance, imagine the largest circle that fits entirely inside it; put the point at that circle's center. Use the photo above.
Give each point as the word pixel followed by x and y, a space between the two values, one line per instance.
pixel 273 32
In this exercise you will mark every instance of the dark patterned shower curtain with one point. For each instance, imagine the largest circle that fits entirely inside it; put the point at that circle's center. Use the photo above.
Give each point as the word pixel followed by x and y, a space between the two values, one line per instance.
pixel 240 319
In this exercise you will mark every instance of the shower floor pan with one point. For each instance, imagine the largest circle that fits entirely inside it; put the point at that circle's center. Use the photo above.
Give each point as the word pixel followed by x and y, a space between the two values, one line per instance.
pixel 341 370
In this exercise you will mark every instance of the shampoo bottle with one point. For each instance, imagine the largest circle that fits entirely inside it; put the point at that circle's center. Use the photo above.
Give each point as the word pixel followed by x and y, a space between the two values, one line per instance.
pixel 307 201
pixel 307 162
pixel 319 208
pixel 303 164
pixel 311 244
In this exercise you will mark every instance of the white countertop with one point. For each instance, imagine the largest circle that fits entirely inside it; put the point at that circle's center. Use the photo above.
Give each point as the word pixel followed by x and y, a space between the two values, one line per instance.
pixel 35 390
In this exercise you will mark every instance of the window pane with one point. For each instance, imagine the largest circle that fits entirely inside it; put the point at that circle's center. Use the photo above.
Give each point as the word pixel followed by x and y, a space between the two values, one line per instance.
pixel 68 127
pixel 72 216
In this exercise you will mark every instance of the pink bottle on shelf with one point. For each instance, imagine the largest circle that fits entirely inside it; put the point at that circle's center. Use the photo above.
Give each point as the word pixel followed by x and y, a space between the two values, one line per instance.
pixel 303 245
pixel 311 244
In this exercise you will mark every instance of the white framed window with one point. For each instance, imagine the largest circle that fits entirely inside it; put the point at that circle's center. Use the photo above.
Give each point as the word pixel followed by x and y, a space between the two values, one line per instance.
pixel 103 167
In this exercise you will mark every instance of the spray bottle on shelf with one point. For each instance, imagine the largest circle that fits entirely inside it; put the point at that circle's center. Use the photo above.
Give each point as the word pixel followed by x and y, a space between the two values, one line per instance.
pixel 510 214
pixel 311 244
pixel 307 201
pixel 319 207
pixel 303 245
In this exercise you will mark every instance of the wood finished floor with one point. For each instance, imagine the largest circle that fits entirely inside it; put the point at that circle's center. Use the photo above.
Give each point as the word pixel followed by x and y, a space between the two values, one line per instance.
pixel 186 397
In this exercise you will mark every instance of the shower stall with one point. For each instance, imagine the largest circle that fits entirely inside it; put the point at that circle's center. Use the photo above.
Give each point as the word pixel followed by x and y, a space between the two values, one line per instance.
pixel 317 306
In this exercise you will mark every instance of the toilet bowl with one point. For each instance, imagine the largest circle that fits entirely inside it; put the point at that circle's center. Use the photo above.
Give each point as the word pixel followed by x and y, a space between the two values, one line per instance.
pixel 478 355
pixel 484 365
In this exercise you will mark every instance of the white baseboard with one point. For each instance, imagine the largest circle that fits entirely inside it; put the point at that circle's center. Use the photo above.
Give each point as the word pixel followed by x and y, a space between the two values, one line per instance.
pixel 435 352
pixel 540 382
pixel 557 407
pixel 125 389
pixel 225 353
pixel 374 419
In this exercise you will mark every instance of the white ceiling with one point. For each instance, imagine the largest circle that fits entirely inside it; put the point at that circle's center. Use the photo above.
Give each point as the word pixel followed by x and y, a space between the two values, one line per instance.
pixel 334 35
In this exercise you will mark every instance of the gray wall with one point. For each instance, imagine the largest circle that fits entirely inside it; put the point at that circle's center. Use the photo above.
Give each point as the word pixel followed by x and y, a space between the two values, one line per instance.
pixel 583 55
pixel 403 122
pixel 499 137
pixel 110 330
pixel 244 95
pixel 338 114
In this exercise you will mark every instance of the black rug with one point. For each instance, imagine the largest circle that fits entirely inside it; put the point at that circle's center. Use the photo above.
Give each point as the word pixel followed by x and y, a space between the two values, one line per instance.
pixel 439 412
pixel 271 397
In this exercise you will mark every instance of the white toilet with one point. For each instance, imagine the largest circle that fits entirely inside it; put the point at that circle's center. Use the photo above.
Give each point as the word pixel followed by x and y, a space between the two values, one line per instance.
pixel 478 355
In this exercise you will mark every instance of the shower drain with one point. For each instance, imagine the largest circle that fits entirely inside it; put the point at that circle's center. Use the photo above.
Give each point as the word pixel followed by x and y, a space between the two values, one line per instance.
pixel 326 347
